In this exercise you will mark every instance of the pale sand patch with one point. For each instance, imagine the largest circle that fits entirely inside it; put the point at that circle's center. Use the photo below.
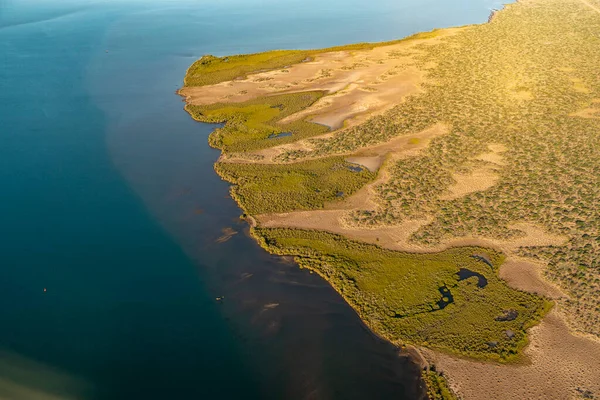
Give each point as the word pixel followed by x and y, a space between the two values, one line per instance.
pixel 481 178
pixel 372 157
pixel 396 237
pixel 533 235
pixel 579 86
pixel 355 105
pixel 561 362
pixel 405 146
pixel 391 237
pixel 590 112
pixel 525 274
pixel 370 163
pixel 522 95
pixel 495 154
pixel 477 181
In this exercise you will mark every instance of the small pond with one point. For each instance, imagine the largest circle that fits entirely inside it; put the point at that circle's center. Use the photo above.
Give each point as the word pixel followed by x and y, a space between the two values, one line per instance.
pixel 279 135
pixel 446 299
pixel 355 168
pixel 465 273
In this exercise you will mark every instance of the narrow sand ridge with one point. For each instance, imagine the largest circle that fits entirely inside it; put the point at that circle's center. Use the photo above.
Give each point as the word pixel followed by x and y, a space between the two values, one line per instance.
pixel 372 156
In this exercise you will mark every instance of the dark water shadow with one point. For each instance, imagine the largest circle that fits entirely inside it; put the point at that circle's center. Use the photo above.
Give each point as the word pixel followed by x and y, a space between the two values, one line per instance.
pixel 299 335
pixel 465 273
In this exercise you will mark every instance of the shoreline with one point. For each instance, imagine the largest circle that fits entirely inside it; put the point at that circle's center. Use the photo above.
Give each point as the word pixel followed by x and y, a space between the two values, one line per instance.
pixel 510 250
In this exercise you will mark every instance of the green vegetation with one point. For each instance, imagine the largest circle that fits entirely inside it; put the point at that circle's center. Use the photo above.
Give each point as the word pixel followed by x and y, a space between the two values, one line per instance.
pixel 437 386
pixel 210 70
pixel 282 187
pixel 519 81
pixel 419 298
pixel 253 124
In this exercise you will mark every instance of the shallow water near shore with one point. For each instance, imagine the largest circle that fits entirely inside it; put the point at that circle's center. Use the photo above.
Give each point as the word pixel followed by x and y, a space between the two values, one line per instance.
pixel 119 236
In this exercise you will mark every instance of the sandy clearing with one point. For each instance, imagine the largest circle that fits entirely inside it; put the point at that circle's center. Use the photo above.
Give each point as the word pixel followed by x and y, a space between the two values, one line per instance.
pixel 525 274
pixel 370 163
pixel 579 86
pixel 477 181
pixel 561 364
pixel 481 178
pixel 372 157
pixel 590 112
pixel 495 154
pixel 522 95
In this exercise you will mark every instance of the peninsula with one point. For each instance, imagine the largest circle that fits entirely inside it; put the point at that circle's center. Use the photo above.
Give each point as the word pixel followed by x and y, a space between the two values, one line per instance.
pixel 447 185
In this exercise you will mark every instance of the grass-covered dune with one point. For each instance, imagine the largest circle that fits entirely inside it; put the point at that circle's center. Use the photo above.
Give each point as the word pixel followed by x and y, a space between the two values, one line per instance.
pixel 420 299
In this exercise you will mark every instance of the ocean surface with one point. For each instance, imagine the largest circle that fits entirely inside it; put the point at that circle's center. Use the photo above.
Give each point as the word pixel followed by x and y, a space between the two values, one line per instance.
pixel 117 235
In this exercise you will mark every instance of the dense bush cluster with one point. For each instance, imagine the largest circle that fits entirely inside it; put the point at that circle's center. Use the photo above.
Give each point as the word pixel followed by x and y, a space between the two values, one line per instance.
pixel 254 124
pixel 398 294
pixel 261 188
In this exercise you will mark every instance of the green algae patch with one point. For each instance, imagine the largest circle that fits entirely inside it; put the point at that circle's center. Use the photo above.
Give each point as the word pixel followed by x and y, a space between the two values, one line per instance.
pixel 420 298
pixel 268 188
pixel 254 124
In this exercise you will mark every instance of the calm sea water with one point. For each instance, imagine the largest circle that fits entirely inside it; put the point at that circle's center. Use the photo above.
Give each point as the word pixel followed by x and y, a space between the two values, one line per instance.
pixel 112 250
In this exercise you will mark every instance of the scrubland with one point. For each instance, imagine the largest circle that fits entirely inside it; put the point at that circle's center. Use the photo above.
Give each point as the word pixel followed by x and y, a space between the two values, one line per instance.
pixel 519 100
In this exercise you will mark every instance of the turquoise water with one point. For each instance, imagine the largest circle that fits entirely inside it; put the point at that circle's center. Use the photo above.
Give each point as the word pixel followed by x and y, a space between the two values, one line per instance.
pixel 113 250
